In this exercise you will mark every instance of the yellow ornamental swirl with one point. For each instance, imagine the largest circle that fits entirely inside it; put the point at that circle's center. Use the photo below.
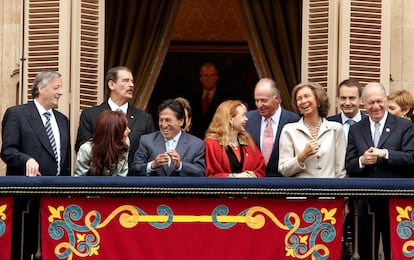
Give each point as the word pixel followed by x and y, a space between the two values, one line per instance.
pixel 329 215
pixel 2 210
pixel 258 221
pixel 129 217
pixel 403 213
pixel 55 213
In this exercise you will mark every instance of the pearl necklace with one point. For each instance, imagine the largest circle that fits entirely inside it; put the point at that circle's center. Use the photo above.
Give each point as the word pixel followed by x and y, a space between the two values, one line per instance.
pixel 314 131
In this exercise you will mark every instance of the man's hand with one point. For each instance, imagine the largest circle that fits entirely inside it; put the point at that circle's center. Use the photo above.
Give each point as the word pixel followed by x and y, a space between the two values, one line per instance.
pixel 160 160
pixel 175 158
pixel 371 155
pixel 32 168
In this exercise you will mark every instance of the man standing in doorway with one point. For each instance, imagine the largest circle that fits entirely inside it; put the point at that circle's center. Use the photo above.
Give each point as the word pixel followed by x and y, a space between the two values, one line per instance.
pixel 205 100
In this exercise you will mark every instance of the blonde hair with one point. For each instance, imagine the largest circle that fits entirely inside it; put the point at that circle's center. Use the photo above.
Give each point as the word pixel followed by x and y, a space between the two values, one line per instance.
pixel 404 99
pixel 220 127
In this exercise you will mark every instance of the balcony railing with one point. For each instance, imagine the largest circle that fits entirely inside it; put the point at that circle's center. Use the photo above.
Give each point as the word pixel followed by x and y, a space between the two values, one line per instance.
pixel 28 189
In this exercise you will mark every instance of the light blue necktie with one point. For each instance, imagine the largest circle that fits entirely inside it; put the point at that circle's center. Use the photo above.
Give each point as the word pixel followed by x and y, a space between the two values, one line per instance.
pixel 350 122
pixel 376 134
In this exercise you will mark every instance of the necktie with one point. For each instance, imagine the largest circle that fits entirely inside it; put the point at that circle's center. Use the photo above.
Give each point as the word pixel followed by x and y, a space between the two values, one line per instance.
pixel 350 122
pixel 267 142
pixel 170 145
pixel 376 134
pixel 206 102
pixel 50 135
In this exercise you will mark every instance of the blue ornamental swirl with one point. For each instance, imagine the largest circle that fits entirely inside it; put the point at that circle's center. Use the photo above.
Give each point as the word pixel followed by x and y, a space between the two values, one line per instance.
pixel 316 228
pixel 223 211
pixel 404 231
pixel 58 228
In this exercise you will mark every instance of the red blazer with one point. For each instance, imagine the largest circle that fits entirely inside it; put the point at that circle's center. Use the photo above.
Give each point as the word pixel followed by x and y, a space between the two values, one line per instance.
pixel 218 164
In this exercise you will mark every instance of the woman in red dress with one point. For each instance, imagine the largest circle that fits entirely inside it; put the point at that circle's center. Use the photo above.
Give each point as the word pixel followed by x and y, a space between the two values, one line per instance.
pixel 230 150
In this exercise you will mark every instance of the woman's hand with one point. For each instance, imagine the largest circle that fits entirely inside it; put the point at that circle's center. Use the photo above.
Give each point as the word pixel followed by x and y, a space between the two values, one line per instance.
pixel 245 174
pixel 311 148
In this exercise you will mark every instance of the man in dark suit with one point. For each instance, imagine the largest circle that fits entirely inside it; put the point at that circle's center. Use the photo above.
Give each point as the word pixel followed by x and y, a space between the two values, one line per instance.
pixel 204 101
pixel 120 82
pixel 27 149
pixel 381 146
pixel 267 99
pixel 170 151
pixel 36 142
pixel 349 99
pixel 349 94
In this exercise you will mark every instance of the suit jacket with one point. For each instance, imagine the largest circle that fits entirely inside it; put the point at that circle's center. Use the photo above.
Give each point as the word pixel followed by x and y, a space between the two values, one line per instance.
pixel 190 148
pixel 139 122
pixel 253 127
pixel 397 136
pixel 328 162
pixel 24 137
pixel 218 163
pixel 201 122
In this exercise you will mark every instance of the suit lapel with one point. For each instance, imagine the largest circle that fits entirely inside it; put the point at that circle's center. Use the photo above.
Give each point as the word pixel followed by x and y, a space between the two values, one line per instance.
pixel 182 143
pixel 36 122
pixel 386 131
pixel 256 120
pixel 131 117
pixel 366 131
pixel 63 136
pixel 282 122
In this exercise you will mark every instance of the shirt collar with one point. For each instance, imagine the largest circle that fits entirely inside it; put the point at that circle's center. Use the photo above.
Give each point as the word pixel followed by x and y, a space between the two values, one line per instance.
pixel 114 107
pixel 175 138
pixel 41 109
pixel 356 118
pixel 382 121
pixel 210 92
pixel 274 117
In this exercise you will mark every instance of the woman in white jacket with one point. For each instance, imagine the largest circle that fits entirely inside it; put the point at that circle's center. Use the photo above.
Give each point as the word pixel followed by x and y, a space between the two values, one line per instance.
pixel 312 147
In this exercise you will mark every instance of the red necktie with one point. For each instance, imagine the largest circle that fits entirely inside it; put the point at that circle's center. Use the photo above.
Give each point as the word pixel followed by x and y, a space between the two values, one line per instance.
pixel 206 102
pixel 267 143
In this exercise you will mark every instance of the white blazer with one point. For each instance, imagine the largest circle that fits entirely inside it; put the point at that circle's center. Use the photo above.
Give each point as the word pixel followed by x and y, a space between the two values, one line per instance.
pixel 328 162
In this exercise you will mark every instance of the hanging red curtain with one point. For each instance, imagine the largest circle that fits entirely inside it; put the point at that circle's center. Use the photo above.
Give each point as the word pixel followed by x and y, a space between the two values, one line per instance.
pixel 191 228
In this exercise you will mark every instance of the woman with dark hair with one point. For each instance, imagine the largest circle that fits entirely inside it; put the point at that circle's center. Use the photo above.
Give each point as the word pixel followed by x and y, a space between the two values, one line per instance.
pixel 313 147
pixel 106 154
pixel 230 150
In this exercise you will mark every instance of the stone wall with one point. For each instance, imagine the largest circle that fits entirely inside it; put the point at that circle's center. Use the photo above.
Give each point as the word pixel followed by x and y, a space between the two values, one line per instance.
pixel 10 44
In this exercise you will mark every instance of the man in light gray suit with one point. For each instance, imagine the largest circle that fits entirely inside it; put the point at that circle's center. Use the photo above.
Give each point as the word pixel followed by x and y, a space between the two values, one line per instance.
pixel 169 151
pixel 267 99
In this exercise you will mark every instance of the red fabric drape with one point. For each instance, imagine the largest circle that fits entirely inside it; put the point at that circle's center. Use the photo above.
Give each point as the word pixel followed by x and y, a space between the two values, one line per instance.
pixel 402 226
pixel 191 228
pixel 6 221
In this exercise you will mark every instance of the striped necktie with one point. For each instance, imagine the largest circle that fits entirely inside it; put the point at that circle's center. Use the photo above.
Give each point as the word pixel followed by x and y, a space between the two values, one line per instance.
pixel 50 135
